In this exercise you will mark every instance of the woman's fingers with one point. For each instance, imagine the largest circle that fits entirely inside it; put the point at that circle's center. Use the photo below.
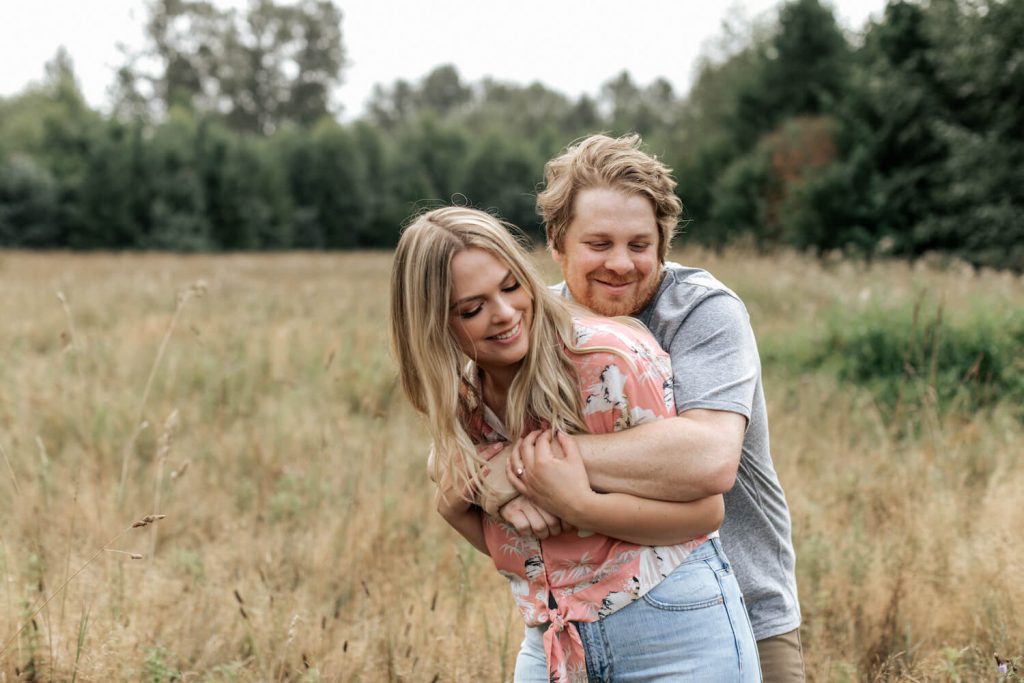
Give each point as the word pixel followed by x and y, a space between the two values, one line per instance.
pixel 538 525
pixel 521 515
pixel 488 450
pixel 554 524
pixel 517 519
pixel 540 451
pixel 527 518
pixel 513 473
pixel 570 451
pixel 515 460
pixel 526 452
pixel 543 445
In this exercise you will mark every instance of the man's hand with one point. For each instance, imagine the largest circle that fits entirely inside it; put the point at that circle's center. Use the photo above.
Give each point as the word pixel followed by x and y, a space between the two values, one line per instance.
pixel 556 481
pixel 531 520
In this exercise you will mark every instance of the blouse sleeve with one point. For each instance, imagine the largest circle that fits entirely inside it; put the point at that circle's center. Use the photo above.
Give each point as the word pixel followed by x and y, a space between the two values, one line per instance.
pixel 624 389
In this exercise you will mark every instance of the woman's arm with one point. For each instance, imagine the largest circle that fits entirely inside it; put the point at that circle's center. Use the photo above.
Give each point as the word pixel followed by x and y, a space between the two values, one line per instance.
pixel 460 514
pixel 466 519
pixel 558 483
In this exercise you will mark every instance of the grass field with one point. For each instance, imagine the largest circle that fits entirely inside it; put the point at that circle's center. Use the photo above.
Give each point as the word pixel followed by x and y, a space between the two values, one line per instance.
pixel 252 400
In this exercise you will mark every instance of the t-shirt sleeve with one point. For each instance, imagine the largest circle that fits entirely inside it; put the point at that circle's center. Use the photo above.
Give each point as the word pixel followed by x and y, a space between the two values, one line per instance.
pixel 715 363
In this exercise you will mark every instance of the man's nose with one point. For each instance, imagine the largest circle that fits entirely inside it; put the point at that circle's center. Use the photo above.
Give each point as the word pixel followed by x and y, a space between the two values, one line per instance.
pixel 618 262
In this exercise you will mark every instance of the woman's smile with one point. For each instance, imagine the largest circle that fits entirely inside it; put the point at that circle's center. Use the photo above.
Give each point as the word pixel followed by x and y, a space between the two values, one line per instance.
pixel 508 337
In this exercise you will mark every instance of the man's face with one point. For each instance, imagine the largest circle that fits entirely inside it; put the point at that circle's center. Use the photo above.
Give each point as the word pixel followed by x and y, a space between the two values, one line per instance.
pixel 609 256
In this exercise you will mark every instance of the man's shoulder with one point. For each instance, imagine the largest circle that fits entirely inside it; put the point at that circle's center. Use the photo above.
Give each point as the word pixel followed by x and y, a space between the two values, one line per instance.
pixel 678 279
pixel 683 288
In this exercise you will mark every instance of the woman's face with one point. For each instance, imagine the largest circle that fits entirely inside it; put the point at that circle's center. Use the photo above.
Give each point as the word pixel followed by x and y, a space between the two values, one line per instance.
pixel 490 310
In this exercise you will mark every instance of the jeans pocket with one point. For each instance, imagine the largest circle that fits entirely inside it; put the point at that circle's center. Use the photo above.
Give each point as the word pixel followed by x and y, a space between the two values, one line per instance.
pixel 691 586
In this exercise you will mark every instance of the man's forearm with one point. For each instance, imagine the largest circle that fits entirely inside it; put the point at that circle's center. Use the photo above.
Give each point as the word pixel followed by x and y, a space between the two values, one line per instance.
pixel 684 458
pixel 647 522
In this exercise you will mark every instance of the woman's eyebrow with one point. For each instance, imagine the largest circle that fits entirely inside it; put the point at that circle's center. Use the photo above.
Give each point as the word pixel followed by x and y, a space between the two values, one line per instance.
pixel 464 299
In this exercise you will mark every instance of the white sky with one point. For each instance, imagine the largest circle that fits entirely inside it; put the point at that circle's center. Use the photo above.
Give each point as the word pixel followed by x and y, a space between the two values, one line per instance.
pixel 572 46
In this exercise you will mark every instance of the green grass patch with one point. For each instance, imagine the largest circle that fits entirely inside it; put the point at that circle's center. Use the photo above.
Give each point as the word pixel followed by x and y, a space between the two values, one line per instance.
pixel 918 356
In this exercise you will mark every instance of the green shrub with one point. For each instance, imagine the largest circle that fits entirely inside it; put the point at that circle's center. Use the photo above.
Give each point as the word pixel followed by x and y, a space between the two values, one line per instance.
pixel 916 356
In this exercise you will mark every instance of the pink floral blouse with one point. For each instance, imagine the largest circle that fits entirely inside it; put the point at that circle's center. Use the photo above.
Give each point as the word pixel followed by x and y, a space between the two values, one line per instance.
pixel 589 575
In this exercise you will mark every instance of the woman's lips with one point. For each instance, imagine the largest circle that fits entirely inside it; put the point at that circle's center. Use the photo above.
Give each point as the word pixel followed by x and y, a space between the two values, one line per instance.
pixel 509 336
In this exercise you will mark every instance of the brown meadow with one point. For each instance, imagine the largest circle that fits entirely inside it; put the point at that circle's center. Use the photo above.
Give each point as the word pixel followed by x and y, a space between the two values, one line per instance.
pixel 252 400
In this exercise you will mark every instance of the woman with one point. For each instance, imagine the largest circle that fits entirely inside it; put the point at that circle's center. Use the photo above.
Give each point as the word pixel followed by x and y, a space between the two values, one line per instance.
pixel 463 289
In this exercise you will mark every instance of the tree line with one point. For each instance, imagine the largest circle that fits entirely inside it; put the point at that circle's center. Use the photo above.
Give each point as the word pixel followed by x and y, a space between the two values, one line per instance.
pixel 902 140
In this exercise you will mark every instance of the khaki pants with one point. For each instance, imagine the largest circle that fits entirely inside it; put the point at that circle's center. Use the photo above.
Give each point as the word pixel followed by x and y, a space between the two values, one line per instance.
pixel 782 658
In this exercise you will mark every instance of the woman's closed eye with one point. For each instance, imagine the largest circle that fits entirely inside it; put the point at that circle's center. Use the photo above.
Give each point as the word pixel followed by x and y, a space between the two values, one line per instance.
pixel 467 314
pixel 508 288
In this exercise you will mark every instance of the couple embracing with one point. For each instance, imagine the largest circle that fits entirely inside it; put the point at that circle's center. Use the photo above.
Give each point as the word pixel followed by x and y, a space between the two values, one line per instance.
pixel 605 441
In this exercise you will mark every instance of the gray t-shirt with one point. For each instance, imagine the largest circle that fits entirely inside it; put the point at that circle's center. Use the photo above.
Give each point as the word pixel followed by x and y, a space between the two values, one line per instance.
pixel 706 330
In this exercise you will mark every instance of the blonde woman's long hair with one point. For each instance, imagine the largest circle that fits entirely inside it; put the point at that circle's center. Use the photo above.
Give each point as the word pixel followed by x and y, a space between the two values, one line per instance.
pixel 433 367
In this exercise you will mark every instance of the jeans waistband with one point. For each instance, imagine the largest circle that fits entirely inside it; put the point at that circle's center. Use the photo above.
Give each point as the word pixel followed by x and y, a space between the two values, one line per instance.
pixel 709 549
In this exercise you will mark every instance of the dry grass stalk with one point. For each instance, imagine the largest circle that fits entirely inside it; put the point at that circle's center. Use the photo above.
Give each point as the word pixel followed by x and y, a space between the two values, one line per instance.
pixel 145 521
pixel 196 290
pixel 310 479
pixel 72 334
pixel 163 450
pixel 10 470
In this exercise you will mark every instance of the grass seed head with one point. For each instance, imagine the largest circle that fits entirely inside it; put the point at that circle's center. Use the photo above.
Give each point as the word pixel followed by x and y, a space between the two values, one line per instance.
pixel 147 520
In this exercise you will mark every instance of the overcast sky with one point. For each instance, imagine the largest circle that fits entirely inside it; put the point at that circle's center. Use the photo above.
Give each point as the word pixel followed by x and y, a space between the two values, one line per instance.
pixel 572 46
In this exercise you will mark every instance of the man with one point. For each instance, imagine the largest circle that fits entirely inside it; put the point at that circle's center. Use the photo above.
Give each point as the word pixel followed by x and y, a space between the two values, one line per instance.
pixel 610 212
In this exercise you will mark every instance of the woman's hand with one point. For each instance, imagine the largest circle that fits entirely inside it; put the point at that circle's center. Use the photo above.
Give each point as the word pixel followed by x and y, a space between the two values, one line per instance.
pixel 531 520
pixel 552 475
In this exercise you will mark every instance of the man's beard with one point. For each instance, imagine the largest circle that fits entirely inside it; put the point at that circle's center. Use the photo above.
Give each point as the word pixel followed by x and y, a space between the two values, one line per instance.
pixel 632 304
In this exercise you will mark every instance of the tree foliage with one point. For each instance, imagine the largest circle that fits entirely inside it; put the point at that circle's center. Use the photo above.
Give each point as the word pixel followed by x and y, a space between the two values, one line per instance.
pixel 272 64
pixel 905 141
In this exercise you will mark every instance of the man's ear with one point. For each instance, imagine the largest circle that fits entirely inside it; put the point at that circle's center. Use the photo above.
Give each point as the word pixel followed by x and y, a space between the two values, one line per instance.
pixel 555 254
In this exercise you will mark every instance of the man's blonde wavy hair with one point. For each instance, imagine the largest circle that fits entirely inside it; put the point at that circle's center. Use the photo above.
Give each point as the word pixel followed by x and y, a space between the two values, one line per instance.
pixel 433 367
pixel 615 163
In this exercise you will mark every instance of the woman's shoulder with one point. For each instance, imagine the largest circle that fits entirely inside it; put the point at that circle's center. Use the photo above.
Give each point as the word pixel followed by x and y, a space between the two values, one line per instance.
pixel 621 368
pixel 622 334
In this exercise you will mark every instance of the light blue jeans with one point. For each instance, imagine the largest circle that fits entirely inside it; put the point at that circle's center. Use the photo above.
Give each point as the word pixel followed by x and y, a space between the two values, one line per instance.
pixel 693 626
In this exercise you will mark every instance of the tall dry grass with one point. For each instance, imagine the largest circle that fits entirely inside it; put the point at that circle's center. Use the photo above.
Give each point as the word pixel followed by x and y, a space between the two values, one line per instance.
pixel 299 541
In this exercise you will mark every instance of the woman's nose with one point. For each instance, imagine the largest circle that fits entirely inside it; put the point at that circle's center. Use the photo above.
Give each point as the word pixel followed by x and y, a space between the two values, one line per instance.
pixel 503 309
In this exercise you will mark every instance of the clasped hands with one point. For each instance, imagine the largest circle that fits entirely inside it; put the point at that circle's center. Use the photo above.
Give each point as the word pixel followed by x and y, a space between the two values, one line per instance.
pixel 540 483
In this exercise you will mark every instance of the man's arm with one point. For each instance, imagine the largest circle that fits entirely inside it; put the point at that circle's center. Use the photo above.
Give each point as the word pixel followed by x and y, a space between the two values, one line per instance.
pixel 558 482
pixel 685 458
